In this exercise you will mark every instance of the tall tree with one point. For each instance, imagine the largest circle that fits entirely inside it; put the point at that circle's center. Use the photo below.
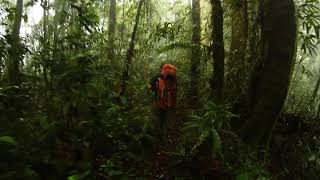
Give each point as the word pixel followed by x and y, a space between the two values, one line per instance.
pixel 314 96
pixel 15 51
pixel 254 34
pixel 112 30
pixel 196 51
pixel 239 35
pixel 271 77
pixel 217 51
pixel 315 92
pixel 130 51
pixel 44 4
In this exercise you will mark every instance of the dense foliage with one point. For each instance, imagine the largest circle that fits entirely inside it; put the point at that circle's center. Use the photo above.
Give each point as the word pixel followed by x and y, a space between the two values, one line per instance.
pixel 74 102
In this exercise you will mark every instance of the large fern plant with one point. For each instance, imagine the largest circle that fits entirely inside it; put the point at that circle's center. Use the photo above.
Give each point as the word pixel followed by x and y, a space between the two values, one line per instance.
pixel 208 122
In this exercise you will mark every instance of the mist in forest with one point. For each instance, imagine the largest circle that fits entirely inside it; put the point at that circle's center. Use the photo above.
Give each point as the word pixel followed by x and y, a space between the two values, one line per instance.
pixel 166 89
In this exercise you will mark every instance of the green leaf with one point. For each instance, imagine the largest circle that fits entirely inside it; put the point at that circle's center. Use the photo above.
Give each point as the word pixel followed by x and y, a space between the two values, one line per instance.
pixel 79 176
pixel 9 140
pixel 190 125
pixel 243 176
pixel 202 138
pixel 216 144
pixel 73 177
pixel 175 45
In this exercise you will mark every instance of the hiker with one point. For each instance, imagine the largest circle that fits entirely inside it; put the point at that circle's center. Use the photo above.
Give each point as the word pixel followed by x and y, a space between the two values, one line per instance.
pixel 164 89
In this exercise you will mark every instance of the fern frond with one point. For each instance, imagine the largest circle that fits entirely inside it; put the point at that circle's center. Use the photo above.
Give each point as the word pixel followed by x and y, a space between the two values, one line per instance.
pixel 175 45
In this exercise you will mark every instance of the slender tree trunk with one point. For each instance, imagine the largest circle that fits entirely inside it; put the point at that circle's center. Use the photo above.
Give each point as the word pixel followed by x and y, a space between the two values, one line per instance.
pixel 313 98
pixel 15 52
pixel 272 76
pixel 217 51
pixel 130 52
pixel 45 42
pixel 239 36
pixel 315 91
pixel 195 52
pixel 318 112
pixel 112 30
pixel 59 19
pixel 255 33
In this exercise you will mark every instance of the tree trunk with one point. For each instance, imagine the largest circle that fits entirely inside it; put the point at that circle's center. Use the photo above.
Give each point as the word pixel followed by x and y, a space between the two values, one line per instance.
pixel 217 51
pixel 130 52
pixel 239 36
pixel 254 36
pixel 315 91
pixel 271 77
pixel 112 30
pixel 15 51
pixel 313 98
pixel 44 4
pixel 318 112
pixel 195 52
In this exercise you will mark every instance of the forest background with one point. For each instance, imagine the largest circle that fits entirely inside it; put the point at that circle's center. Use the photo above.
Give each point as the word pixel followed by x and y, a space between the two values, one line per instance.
pixel 73 89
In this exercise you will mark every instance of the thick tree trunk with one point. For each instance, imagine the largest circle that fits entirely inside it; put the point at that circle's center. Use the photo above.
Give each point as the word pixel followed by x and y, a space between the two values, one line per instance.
pixel 130 52
pixel 111 31
pixel 217 51
pixel 15 52
pixel 239 35
pixel 271 77
pixel 195 52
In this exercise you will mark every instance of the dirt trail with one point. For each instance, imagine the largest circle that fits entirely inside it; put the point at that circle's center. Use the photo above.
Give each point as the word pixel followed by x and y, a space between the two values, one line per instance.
pixel 160 160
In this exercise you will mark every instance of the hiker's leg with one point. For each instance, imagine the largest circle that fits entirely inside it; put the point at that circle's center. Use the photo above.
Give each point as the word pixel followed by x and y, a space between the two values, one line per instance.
pixel 162 116
pixel 170 117
pixel 156 118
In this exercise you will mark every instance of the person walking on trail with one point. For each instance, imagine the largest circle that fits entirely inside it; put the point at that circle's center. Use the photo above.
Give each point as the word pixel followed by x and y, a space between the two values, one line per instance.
pixel 164 88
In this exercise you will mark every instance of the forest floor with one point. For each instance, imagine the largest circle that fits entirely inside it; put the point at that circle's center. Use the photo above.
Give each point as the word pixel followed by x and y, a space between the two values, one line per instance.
pixel 160 159
pixel 292 146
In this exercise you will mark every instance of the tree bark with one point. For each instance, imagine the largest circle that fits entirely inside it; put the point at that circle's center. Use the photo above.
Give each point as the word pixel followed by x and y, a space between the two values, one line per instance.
pixel 313 98
pixel 130 52
pixel 318 112
pixel 15 51
pixel 271 77
pixel 112 30
pixel 239 36
pixel 254 35
pixel 44 4
pixel 195 52
pixel 217 51
pixel 315 91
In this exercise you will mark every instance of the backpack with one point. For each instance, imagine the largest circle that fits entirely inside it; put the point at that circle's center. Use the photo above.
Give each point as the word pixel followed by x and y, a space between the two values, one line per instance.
pixel 167 87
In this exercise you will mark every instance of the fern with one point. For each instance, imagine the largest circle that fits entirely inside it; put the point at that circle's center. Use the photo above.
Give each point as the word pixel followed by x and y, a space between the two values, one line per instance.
pixel 208 122
pixel 175 45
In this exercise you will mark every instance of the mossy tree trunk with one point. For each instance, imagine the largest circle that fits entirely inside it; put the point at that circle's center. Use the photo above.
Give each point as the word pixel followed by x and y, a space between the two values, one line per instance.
pixel 315 92
pixel 271 77
pixel 239 35
pixel 45 44
pixel 195 52
pixel 217 51
pixel 15 55
pixel 111 31
pixel 130 51
pixel 254 33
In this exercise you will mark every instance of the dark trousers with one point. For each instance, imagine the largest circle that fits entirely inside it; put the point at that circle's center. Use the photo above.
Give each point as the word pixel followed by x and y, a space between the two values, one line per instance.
pixel 163 119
